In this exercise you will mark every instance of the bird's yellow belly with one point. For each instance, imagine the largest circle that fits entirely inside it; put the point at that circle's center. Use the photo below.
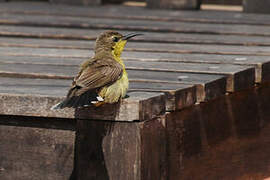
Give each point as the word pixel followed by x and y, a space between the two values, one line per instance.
pixel 117 90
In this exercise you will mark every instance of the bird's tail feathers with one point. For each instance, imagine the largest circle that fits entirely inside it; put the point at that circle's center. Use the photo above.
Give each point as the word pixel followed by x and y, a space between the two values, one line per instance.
pixel 86 99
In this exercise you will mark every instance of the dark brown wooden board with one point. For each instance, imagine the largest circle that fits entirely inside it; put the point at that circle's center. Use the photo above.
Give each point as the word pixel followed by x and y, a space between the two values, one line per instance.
pixel 261 63
pixel 120 151
pixel 225 138
pixel 134 25
pixel 116 12
pixel 35 153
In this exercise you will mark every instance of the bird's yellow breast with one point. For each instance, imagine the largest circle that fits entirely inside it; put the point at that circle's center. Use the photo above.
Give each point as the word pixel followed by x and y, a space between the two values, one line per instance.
pixel 118 89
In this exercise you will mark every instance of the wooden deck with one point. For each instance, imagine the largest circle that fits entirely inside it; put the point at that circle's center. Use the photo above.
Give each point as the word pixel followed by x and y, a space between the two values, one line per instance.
pixel 185 60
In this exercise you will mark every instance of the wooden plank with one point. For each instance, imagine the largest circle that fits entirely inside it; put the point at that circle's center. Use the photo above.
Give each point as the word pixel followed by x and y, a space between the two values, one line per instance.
pixel 35 153
pixel 198 48
pixel 174 4
pixel 130 109
pixel 208 86
pixel 35 97
pixel 176 77
pixel 204 144
pixel 134 25
pixel 103 150
pixel 177 95
pixel 83 34
pixel 239 77
pixel 227 2
pixel 260 62
pixel 139 46
pixel 140 95
pixel 157 76
pixel 116 12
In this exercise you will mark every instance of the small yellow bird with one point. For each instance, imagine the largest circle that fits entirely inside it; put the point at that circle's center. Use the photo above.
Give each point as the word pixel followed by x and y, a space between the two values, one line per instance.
pixel 103 78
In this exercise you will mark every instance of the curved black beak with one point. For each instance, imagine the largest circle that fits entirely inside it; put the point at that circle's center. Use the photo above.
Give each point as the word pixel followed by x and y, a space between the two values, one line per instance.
pixel 131 35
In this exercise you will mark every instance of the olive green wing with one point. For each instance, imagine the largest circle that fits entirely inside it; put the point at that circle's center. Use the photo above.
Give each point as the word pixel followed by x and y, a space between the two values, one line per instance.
pixel 89 80
pixel 97 75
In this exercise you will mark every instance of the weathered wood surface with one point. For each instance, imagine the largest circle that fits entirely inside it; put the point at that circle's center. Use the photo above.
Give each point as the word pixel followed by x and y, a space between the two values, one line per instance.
pixel 225 138
pixel 116 12
pixel 83 34
pixel 134 25
pixel 134 108
pixel 35 152
pixel 208 86
pixel 261 63
pixel 131 64
pixel 239 77
pixel 158 48
pixel 184 59
pixel 175 62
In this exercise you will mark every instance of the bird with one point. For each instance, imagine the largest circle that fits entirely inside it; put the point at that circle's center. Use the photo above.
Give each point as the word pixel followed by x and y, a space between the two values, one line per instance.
pixel 103 78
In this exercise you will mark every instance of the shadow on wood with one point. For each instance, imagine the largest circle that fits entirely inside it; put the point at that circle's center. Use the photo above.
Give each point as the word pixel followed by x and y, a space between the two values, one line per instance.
pixel 89 161
pixel 119 150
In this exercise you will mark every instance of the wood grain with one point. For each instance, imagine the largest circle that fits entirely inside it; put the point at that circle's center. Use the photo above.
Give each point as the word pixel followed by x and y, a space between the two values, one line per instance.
pixel 134 25
pixel 233 82
pixel 261 63
pixel 224 138
pixel 115 12
pixel 177 95
pixel 128 110
pixel 103 150
pixel 158 37
pixel 35 153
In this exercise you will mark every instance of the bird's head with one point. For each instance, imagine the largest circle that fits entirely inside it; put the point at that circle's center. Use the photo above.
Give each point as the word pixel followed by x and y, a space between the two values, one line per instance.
pixel 112 41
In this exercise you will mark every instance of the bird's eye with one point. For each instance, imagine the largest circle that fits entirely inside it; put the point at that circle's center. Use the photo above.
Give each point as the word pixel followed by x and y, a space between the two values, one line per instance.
pixel 115 39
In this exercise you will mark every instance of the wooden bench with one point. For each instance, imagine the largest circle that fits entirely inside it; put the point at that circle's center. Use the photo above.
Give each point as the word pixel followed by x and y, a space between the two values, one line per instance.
pixel 198 105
